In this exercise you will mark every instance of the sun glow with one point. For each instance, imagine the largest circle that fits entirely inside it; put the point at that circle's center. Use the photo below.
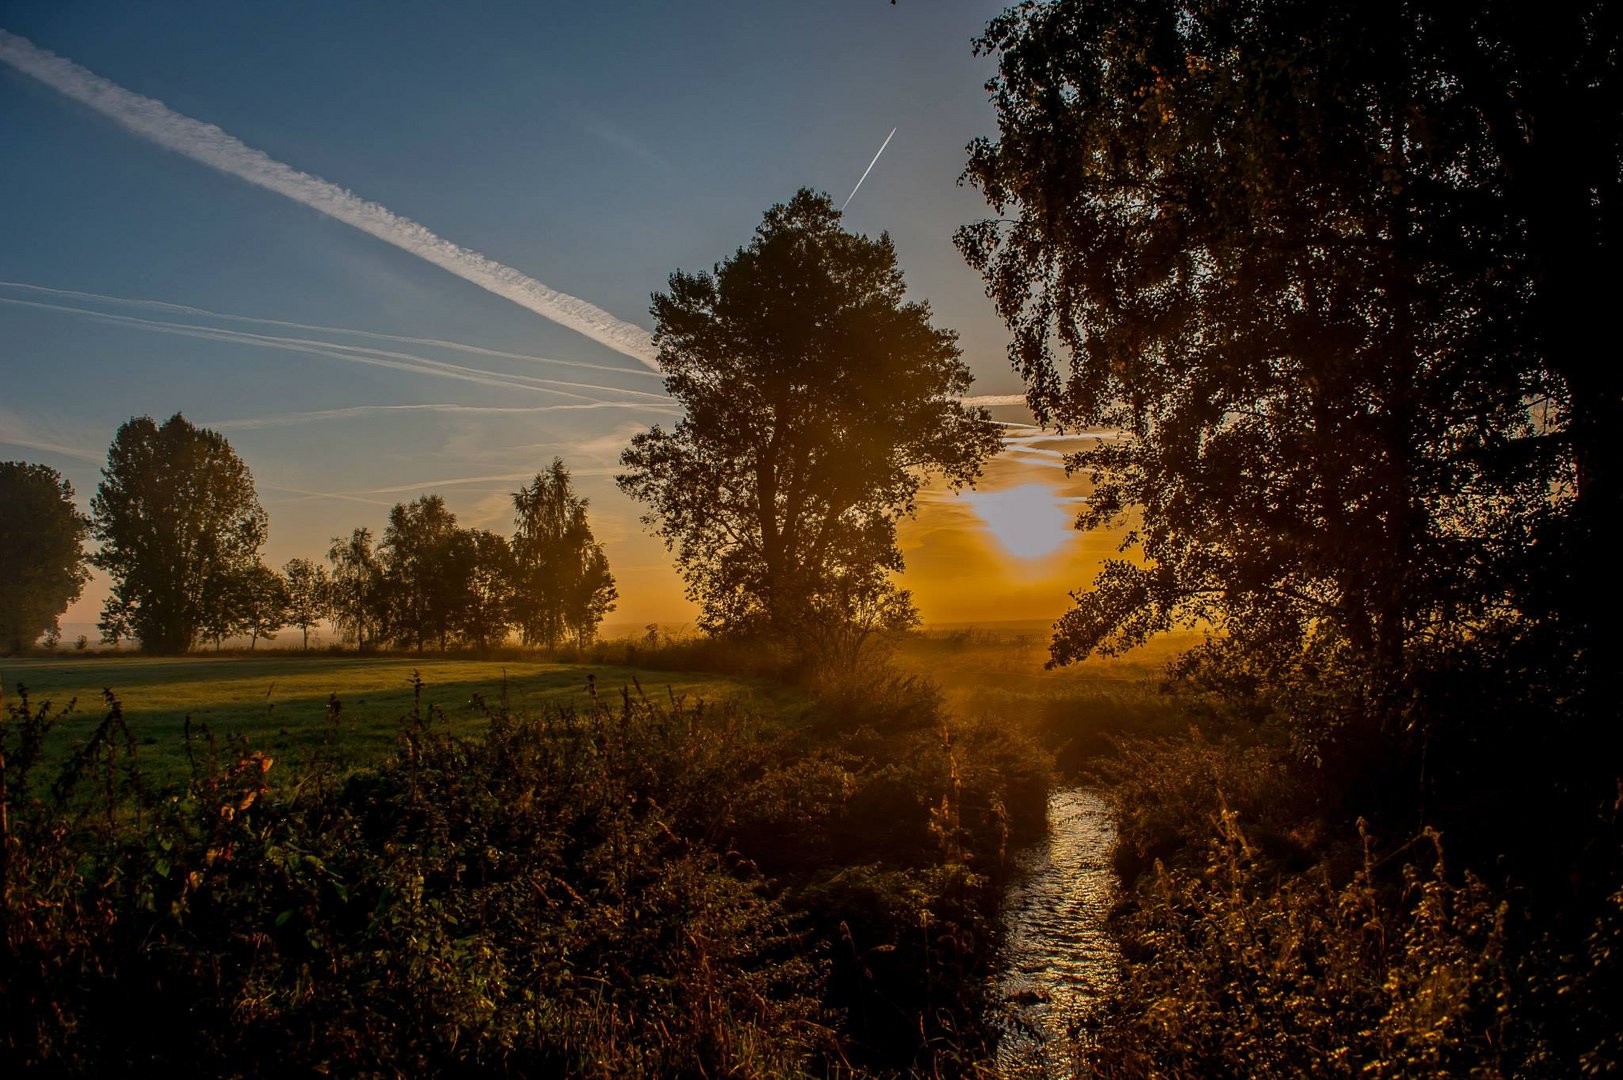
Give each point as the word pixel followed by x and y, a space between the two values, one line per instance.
pixel 1030 521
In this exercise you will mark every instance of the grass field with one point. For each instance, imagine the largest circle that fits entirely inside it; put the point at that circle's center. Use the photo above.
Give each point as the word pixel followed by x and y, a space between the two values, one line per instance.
pixel 278 701
pixel 996 673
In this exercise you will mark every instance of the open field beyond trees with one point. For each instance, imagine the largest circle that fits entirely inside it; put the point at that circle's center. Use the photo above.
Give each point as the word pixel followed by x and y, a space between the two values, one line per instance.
pixel 278 702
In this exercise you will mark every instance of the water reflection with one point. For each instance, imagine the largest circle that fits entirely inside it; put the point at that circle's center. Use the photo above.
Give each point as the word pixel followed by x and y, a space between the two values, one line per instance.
pixel 1058 960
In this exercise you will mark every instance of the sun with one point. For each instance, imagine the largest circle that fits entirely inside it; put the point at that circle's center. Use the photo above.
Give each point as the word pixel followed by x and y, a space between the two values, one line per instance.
pixel 1030 521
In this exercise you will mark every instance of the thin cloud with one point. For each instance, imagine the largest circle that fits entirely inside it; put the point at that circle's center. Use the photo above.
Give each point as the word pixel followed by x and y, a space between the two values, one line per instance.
pixel 334 350
pixel 12 436
pixel 994 399
pixel 300 494
pixel 211 146
pixel 437 343
pixel 352 412
pixel 600 128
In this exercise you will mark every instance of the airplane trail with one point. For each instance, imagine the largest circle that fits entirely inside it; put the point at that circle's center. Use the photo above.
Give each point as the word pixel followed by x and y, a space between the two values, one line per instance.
pixel 868 170
pixel 420 365
pixel 208 144
pixel 350 412
pixel 438 343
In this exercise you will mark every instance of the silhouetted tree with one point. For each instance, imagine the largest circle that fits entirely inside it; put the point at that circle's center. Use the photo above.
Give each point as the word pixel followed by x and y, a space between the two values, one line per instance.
pixel 358 609
pixel 117 621
pixel 264 603
pixel 309 595
pixel 1327 266
pixel 426 563
pixel 590 596
pixel 42 559
pixel 561 583
pixel 175 513
pixel 224 608
pixel 487 608
pixel 816 401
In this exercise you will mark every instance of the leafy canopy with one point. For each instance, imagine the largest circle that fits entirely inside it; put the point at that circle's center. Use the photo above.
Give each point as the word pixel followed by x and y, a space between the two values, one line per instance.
pixel 816 400
pixel 1327 267
pixel 561 585
pixel 41 551
pixel 177 518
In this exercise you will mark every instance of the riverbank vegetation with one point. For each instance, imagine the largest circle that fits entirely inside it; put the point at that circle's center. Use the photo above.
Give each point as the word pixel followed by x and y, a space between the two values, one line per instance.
pixel 622 885
pixel 1322 268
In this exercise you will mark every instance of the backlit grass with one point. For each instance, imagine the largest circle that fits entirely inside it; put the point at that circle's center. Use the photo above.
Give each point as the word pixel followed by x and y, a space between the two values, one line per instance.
pixel 278 702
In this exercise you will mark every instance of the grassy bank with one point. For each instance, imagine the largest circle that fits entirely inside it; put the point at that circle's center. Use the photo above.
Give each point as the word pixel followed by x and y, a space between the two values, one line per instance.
pixel 278 701
pixel 618 886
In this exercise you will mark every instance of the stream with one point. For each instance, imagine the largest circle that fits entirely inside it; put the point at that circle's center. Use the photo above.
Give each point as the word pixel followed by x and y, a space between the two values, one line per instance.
pixel 1058 958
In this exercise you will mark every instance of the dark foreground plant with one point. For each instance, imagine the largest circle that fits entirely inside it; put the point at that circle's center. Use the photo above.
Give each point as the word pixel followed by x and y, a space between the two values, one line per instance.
pixel 1260 941
pixel 640 889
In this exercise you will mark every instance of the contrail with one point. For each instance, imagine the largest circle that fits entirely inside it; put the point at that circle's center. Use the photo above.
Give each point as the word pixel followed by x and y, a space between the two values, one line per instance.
pixel 351 412
pixel 438 343
pixel 355 354
pixel 994 399
pixel 868 170
pixel 208 144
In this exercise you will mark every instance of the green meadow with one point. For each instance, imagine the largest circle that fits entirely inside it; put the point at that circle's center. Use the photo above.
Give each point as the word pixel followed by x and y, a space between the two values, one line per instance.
pixel 277 702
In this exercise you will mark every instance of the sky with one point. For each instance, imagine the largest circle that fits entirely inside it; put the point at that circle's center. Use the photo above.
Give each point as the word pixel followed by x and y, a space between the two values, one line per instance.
pixel 414 252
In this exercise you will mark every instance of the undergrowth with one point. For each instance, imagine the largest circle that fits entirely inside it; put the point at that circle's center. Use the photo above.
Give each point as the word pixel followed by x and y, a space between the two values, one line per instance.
pixel 641 888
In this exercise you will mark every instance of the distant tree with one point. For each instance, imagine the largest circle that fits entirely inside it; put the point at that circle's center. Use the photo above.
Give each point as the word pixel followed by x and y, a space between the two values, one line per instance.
pixel 358 608
pixel 486 610
pixel 309 595
pixel 224 609
pixel 817 400
pixel 562 584
pixel 117 621
pixel 427 561
pixel 42 559
pixel 591 595
pixel 175 513
pixel 264 603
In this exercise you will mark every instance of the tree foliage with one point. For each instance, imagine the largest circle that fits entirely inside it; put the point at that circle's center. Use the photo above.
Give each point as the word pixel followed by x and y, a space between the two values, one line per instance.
pixel 356 588
pixel 488 604
pixel 561 585
pixel 264 603
pixel 426 561
pixel 1327 267
pixel 309 595
pixel 177 517
pixel 42 556
pixel 816 400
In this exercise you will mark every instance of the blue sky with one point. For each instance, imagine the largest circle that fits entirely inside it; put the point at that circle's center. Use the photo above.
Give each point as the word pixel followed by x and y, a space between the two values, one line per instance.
pixel 593 147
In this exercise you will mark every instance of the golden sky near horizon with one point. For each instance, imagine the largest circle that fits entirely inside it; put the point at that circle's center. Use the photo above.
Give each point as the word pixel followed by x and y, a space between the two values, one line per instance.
pixel 1002 551
pixel 1006 550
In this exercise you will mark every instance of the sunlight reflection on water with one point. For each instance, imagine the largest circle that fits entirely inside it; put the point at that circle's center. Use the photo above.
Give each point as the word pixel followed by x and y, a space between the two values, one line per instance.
pixel 1058 958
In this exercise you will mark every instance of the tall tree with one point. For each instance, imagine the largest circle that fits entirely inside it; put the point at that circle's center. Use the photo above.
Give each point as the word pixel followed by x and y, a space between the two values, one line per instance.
pixel 309 595
pixel 426 562
pixel 1330 268
pixel 42 559
pixel 816 400
pixel 562 584
pixel 175 514
pixel 357 588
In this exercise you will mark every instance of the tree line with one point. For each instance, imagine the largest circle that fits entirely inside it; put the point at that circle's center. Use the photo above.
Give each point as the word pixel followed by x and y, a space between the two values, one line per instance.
pixel 817 400
pixel 180 529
